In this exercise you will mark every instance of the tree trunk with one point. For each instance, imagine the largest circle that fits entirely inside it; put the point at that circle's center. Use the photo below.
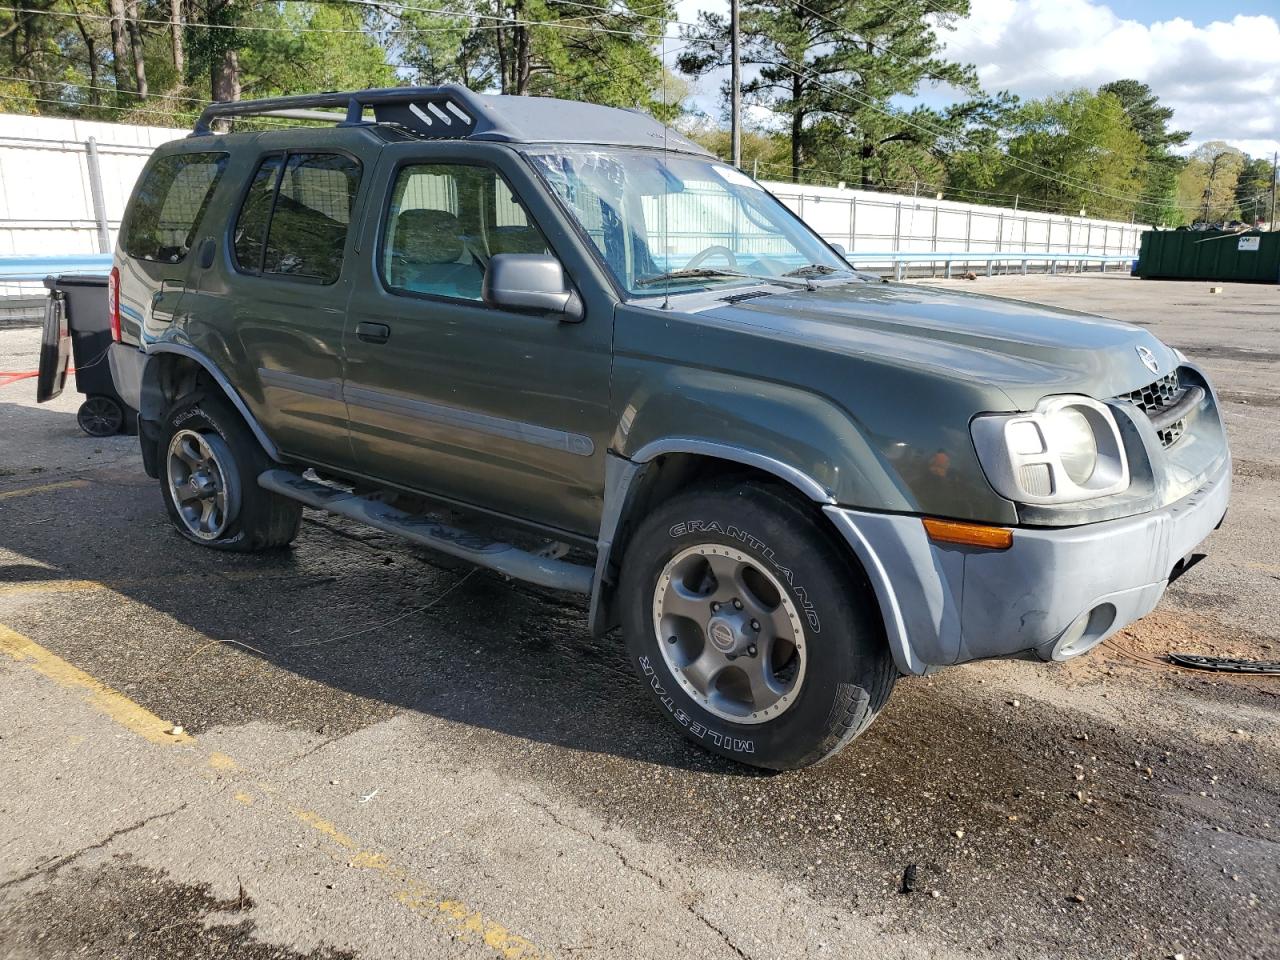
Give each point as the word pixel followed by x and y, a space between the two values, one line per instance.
pixel 500 39
pixel 91 50
pixel 175 39
pixel 797 127
pixel 523 61
pixel 225 79
pixel 135 44
pixel 119 45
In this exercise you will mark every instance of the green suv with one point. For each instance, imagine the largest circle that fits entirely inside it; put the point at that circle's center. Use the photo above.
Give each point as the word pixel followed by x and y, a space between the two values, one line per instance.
pixel 565 343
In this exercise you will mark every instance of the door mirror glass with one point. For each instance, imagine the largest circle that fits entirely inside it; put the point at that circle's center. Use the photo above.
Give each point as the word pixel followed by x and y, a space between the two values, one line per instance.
pixel 531 282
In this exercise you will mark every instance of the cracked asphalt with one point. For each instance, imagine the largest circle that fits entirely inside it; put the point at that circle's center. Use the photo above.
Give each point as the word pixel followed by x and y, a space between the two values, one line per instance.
pixel 387 755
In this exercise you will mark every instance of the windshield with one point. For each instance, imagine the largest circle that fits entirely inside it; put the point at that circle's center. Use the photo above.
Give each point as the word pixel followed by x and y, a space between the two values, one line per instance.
pixel 671 222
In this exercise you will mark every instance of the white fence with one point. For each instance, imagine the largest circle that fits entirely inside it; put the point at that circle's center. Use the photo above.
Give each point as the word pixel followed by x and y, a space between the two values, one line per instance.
pixel 866 223
pixel 64 185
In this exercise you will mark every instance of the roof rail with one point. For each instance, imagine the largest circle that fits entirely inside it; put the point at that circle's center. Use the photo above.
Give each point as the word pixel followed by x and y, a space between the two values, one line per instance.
pixel 445 112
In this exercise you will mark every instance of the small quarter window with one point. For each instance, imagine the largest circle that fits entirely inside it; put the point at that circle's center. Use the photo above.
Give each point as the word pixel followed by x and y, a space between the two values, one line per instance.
pixel 168 204
pixel 295 216
pixel 251 225
pixel 444 224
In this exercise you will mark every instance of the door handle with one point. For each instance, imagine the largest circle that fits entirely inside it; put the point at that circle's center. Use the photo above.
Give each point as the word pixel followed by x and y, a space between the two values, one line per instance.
pixel 373 332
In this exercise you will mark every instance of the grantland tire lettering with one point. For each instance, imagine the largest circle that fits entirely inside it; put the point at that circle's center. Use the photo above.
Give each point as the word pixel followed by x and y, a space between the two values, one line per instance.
pixel 760 547
pixel 699 730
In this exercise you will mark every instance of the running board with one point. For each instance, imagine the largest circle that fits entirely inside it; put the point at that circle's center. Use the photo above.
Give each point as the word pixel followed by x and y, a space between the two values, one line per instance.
pixel 544 570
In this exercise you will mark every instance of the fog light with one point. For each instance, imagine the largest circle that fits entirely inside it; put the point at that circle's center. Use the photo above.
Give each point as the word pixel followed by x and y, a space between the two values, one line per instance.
pixel 1085 632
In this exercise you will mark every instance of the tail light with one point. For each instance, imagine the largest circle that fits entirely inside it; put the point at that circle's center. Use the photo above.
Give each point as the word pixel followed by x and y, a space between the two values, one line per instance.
pixel 113 303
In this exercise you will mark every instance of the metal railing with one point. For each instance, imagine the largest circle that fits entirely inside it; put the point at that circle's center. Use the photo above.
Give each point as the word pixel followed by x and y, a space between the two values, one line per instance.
pixel 34 269
pixel 901 260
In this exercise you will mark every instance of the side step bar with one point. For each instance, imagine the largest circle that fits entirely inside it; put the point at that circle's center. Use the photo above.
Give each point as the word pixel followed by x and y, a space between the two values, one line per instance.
pixel 546 571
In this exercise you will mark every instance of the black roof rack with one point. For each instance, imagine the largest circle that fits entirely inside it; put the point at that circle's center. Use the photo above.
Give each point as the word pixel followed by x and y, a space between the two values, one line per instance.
pixel 455 112
pixel 449 111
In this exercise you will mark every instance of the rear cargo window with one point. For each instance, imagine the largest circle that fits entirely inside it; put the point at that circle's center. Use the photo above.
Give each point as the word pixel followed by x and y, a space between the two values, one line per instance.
pixel 168 203
pixel 295 216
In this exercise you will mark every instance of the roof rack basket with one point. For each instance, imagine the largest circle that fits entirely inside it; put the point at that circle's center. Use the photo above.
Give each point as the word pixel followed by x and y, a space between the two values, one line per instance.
pixel 445 112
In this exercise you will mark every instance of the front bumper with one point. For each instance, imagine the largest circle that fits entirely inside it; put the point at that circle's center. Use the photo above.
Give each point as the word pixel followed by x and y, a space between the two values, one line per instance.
pixel 1055 593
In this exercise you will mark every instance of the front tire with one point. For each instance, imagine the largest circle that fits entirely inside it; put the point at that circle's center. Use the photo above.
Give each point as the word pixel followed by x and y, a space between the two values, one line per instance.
pixel 755 631
pixel 209 463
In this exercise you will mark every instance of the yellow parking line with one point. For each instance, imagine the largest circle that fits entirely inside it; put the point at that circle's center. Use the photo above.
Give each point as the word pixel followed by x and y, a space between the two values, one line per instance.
pixel 44 488
pixel 463 921
pixel 117 706
pixel 458 918
pixel 79 586
pixel 50 586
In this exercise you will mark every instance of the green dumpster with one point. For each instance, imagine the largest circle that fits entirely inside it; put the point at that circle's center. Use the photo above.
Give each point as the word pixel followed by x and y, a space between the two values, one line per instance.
pixel 1210 255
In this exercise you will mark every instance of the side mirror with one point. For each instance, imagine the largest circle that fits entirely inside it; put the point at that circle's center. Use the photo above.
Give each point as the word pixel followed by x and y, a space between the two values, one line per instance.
pixel 839 248
pixel 532 283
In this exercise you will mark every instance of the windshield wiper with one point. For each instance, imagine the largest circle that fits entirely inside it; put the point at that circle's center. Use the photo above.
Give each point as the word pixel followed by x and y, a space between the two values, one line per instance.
pixel 814 269
pixel 695 273
pixel 708 273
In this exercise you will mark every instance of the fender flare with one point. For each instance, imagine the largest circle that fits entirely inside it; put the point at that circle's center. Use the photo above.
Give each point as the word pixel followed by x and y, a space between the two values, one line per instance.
pixel 156 349
pixel 620 476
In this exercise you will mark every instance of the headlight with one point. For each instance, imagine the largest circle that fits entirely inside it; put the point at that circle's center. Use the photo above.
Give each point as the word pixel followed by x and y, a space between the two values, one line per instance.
pixel 1067 449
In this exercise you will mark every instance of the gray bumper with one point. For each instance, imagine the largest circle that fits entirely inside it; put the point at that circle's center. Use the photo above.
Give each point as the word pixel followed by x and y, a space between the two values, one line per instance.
pixel 1055 592
pixel 127 362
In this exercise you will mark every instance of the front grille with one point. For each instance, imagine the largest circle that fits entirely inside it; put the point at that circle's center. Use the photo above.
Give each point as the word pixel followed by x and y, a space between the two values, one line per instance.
pixel 1156 396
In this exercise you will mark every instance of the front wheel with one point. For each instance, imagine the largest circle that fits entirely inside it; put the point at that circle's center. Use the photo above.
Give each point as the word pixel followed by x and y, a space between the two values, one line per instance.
pixel 755 631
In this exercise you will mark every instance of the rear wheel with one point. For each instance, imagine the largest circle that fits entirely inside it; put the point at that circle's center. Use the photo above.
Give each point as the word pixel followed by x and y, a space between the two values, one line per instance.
pixel 757 634
pixel 209 468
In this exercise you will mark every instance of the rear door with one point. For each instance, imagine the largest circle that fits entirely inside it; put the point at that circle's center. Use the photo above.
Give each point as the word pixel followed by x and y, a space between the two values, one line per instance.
pixel 271 306
pixel 504 410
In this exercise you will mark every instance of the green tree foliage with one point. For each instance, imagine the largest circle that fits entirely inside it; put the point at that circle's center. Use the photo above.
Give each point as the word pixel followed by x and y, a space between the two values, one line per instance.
pixel 1150 120
pixel 1253 189
pixel 1207 184
pixel 154 61
pixel 831 68
pixel 1085 140
pixel 543 47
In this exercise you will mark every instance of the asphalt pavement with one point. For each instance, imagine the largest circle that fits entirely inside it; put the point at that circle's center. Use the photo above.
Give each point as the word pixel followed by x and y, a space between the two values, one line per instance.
pixel 354 748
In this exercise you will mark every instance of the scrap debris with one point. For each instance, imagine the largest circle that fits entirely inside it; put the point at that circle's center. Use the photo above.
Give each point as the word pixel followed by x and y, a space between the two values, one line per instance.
pixel 1198 661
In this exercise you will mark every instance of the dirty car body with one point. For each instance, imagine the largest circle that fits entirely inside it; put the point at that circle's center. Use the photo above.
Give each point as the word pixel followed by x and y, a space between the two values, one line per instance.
pixel 561 319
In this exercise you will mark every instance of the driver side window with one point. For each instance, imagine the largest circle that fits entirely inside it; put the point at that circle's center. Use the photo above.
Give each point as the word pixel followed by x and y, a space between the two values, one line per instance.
pixel 445 222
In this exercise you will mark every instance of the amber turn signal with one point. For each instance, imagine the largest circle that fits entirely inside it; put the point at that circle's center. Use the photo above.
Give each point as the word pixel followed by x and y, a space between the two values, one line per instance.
pixel 968 534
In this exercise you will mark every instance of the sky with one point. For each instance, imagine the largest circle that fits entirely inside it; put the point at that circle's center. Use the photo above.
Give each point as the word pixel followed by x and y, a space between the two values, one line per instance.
pixel 1217 64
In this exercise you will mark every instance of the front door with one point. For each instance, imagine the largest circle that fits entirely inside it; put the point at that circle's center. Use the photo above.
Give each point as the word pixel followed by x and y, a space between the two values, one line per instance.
pixel 503 410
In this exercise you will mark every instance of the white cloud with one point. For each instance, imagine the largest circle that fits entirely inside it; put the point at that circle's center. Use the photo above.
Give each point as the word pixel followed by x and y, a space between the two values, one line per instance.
pixel 1221 78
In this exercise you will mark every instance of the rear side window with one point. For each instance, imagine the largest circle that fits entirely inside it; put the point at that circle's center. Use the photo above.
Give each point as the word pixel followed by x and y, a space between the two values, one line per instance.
pixel 295 216
pixel 168 203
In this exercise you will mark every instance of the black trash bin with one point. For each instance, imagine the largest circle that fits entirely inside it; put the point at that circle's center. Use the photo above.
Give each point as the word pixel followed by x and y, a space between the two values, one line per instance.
pixel 78 308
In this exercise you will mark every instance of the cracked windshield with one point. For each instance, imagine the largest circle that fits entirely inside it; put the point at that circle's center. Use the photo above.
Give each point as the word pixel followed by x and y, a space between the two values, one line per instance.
pixel 665 222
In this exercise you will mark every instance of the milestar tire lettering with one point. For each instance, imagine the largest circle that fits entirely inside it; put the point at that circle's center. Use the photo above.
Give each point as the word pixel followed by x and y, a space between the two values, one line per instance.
pixel 699 730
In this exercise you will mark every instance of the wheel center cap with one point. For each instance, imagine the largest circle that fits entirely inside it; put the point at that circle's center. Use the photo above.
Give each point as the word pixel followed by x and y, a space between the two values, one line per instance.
pixel 721 634
pixel 729 634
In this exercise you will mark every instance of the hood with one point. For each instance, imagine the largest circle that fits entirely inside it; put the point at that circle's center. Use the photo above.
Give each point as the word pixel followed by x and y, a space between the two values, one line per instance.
pixel 1027 350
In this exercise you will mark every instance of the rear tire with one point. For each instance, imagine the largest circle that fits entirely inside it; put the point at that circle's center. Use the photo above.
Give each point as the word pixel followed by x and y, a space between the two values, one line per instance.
pixel 791 662
pixel 209 462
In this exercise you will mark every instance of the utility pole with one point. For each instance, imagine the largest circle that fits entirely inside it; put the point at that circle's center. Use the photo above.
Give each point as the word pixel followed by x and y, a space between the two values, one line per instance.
pixel 735 82
pixel 1275 175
